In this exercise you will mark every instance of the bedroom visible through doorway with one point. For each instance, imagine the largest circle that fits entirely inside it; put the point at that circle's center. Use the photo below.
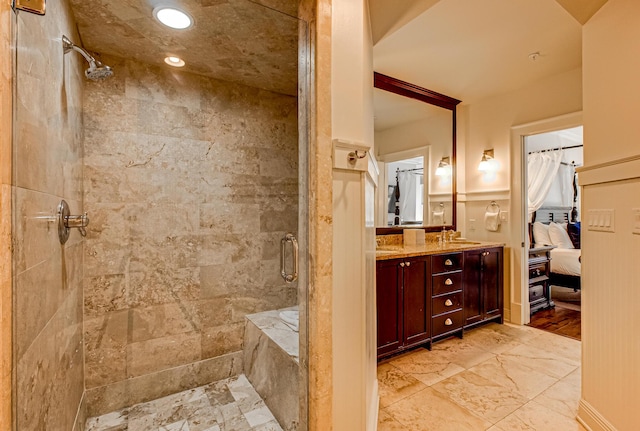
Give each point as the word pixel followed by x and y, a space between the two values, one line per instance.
pixel 553 222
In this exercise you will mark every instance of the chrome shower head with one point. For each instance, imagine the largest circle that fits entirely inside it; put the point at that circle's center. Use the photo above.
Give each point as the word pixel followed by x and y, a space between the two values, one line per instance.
pixel 96 70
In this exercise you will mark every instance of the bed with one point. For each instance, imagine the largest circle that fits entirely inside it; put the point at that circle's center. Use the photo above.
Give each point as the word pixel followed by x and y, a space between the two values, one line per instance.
pixel 551 226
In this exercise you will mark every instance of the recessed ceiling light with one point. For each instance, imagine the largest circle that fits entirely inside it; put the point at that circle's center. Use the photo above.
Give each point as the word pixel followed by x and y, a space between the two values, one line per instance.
pixel 172 17
pixel 174 61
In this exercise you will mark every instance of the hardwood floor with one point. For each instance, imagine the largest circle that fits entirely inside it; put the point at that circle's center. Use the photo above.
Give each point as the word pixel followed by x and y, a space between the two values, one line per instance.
pixel 561 321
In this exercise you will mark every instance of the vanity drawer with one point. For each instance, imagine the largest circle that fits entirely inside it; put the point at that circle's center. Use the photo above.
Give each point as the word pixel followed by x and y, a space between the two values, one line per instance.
pixel 446 283
pixel 447 323
pixel 446 303
pixel 446 262
pixel 536 292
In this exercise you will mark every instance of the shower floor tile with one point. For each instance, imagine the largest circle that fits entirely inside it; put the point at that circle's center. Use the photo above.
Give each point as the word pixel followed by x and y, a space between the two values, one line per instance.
pixel 228 405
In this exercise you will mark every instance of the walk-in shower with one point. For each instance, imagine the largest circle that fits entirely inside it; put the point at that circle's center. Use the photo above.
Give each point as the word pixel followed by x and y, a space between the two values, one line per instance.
pixel 96 70
pixel 192 177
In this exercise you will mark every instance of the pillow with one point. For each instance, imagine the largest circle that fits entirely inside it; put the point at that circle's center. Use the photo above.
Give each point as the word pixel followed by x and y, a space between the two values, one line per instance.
pixel 559 235
pixel 574 233
pixel 541 234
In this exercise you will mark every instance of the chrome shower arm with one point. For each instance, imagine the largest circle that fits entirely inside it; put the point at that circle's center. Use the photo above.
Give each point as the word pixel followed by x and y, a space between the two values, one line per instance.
pixel 67 46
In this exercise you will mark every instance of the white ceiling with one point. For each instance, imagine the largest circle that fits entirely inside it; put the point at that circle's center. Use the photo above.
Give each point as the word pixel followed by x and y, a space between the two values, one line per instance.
pixel 471 49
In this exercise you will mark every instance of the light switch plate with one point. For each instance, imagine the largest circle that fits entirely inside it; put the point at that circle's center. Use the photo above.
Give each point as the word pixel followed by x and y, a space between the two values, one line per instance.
pixel 635 221
pixel 601 220
pixel 504 216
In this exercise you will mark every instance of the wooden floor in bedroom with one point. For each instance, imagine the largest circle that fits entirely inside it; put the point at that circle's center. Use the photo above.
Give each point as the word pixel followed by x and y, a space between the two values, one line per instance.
pixel 561 321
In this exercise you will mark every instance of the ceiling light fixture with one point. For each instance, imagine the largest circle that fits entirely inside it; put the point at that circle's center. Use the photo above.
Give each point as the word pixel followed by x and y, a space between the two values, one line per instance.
pixel 172 17
pixel 174 61
pixel 485 164
pixel 534 56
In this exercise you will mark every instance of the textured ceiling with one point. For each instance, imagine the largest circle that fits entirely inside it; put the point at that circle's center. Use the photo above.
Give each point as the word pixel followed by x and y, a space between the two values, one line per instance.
pixel 248 42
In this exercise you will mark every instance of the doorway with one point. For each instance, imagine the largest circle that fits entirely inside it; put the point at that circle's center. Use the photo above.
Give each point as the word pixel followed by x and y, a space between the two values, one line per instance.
pixel 519 236
pixel 553 223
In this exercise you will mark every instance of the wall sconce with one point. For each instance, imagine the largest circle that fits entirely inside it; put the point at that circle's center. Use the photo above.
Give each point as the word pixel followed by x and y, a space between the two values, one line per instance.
pixel 444 167
pixel 485 164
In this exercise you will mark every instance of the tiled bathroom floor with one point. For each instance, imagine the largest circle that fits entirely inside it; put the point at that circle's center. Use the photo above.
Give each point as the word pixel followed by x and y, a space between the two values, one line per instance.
pixel 228 405
pixel 498 378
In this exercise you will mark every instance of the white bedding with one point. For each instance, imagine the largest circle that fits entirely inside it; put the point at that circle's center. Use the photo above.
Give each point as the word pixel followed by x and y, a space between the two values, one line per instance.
pixel 565 261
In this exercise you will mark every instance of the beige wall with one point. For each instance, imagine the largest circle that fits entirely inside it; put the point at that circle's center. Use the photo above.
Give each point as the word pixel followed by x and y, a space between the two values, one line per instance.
pixel 48 276
pixel 191 183
pixel 488 124
pixel 611 180
pixel 433 132
pixel 355 399
pixel 7 19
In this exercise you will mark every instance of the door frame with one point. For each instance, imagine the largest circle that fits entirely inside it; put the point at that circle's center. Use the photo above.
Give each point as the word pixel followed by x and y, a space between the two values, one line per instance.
pixel 519 235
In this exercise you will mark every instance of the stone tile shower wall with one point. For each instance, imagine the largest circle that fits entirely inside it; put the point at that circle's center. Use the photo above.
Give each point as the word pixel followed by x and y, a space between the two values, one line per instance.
pixel 47 281
pixel 190 183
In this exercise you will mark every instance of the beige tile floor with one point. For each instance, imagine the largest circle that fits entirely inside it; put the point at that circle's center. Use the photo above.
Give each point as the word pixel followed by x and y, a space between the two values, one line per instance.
pixel 498 378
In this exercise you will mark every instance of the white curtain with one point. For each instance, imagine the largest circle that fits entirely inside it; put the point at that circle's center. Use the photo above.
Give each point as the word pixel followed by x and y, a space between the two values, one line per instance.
pixel 542 169
pixel 565 174
pixel 408 190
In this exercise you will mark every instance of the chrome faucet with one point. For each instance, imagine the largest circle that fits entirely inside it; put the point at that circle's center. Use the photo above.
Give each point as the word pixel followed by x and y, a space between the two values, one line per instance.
pixel 451 233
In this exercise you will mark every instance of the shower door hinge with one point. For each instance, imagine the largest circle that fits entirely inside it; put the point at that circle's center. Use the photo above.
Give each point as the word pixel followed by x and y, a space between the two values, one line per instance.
pixel 33 6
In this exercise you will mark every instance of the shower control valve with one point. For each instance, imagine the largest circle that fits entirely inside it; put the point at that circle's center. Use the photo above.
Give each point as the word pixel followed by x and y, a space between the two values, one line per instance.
pixel 66 222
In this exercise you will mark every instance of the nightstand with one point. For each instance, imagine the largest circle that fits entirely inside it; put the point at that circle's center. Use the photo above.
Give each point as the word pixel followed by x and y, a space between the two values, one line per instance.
pixel 539 268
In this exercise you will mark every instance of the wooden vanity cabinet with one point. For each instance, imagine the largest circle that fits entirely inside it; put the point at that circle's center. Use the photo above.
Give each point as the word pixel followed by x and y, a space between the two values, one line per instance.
pixel 446 295
pixel 483 285
pixel 426 298
pixel 403 303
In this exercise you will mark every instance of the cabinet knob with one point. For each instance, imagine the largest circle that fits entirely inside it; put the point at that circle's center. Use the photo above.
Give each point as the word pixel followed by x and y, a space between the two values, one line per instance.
pixel 408 263
pixel 448 282
pixel 448 303
pixel 448 262
pixel 485 253
pixel 448 322
pixel 402 264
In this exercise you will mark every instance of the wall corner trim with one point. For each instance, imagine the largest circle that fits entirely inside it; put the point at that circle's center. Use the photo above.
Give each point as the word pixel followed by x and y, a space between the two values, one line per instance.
pixel 484 195
pixel 372 420
pixel 615 170
pixel 591 419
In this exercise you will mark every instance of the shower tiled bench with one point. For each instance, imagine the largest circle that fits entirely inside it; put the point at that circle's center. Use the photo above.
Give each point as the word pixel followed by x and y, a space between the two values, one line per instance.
pixel 272 365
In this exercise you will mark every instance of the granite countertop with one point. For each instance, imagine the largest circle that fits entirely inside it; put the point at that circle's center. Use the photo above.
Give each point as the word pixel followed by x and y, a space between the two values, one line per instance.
pixel 388 252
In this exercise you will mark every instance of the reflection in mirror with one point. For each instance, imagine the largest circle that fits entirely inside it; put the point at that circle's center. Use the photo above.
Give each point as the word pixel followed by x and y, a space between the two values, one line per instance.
pixel 415 141
pixel 406 207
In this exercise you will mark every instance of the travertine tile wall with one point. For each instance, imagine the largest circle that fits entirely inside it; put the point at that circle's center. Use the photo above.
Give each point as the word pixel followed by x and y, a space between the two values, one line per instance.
pixel 320 299
pixel 190 183
pixel 47 167
pixel 6 118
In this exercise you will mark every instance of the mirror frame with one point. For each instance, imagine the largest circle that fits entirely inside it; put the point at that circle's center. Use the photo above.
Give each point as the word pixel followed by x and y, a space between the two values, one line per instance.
pixel 421 94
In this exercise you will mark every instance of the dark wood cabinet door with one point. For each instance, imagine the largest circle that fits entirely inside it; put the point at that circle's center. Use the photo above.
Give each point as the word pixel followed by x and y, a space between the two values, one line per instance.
pixel 492 282
pixel 417 300
pixel 472 275
pixel 389 305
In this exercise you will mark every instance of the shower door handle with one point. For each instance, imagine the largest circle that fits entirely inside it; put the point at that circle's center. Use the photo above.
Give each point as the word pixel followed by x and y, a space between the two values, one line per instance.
pixel 289 278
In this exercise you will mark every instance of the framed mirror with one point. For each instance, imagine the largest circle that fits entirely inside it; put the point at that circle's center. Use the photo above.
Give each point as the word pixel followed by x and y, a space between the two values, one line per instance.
pixel 415 140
